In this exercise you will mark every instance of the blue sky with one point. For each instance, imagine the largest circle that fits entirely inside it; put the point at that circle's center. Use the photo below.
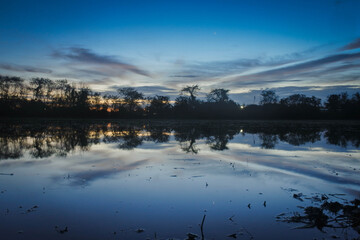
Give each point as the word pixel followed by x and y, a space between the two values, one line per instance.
pixel 310 47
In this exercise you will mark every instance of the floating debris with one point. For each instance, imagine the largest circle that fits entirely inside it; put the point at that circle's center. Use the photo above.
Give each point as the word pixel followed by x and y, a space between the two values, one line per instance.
pixel 327 215
pixel 191 236
pixel 234 235
pixel 61 231
pixel 140 230
pixel 298 196
pixel 32 209
pixel 290 189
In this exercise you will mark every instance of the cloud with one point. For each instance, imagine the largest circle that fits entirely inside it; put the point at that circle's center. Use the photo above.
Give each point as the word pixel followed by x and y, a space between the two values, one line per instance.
pixel 353 45
pixel 148 90
pixel 84 55
pixel 22 68
pixel 78 177
pixel 214 70
pixel 184 76
pixel 314 68
pixel 309 65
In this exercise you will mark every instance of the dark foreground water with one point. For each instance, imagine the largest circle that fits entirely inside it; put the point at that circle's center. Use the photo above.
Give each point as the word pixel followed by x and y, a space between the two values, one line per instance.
pixel 175 180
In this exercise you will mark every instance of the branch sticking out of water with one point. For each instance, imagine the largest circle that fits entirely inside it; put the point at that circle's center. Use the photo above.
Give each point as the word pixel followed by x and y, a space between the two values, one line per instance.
pixel 202 227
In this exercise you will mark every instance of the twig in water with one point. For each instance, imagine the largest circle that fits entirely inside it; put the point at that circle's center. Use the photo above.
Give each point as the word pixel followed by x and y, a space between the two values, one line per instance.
pixel 201 227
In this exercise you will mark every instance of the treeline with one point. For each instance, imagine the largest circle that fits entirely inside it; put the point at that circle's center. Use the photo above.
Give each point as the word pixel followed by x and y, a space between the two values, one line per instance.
pixel 299 106
pixel 42 97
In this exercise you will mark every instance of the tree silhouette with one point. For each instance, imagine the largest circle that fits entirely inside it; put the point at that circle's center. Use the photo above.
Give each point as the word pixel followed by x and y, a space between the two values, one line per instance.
pixel 218 95
pixel 43 97
pixel 336 102
pixel 159 105
pixel 192 91
pixel 268 97
pixel 42 88
pixel 301 99
pixel 12 88
pixel 130 97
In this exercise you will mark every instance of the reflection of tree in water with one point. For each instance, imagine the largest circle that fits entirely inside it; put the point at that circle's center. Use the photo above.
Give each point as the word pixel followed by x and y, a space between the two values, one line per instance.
pixel 11 148
pixel 44 140
pixel 187 136
pixel 159 134
pixel 218 143
pixel 342 137
pixel 128 137
pixel 48 138
pixel 130 140
pixel 302 133
pixel 301 137
pixel 131 137
pixel 219 138
pixel 268 140
pixel 42 147
pixel 189 146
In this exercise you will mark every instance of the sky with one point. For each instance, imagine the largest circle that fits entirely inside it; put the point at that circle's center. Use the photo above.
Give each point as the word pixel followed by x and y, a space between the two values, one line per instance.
pixel 159 47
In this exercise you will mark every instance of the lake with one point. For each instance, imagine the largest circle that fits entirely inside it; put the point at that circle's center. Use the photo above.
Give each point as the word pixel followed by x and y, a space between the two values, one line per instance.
pixel 138 179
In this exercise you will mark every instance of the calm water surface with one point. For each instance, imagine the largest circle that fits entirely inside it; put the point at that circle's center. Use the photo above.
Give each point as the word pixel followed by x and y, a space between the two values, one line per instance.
pixel 158 179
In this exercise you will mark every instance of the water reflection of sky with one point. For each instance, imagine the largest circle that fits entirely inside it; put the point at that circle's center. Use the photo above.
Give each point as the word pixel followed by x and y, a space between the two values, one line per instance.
pixel 164 190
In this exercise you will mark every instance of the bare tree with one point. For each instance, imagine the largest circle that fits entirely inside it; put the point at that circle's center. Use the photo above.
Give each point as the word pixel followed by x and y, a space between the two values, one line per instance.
pixel 191 90
pixel 218 95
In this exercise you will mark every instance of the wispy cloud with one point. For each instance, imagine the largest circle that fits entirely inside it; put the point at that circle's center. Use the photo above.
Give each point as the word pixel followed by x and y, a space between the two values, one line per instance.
pixel 217 71
pixel 184 76
pixel 22 68
pixel 309 65
pixel 148 90
pixel 353 45
pixel 315 68
pixel 86 56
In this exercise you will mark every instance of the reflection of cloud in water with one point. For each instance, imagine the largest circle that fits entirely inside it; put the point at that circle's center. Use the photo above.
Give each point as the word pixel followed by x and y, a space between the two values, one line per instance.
pixel 13 164
pixel 85 176
pixel 330 167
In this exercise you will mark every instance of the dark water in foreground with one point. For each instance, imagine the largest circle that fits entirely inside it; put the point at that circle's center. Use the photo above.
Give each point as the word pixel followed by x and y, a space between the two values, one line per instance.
pixel 157 180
